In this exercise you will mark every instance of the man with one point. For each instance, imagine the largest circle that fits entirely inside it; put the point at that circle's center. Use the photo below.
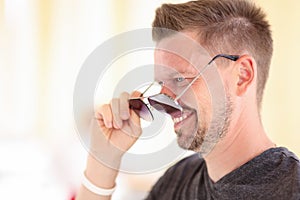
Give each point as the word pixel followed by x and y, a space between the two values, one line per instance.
pixel 240 162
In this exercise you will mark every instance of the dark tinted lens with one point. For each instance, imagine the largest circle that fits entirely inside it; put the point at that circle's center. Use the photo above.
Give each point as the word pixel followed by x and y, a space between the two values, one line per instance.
pixel 141 109
pixel 162 107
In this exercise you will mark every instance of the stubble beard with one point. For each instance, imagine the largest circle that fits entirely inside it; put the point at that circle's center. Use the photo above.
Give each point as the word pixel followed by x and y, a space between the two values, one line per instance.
pixel 189 136
pixel 201 134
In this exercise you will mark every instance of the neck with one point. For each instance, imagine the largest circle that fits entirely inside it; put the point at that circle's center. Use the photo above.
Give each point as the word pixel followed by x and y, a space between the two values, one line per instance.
pixel 242 143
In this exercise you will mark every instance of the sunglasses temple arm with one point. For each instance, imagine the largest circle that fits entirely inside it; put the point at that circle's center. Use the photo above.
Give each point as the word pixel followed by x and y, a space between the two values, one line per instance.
pixel 192 82
pixel 230 57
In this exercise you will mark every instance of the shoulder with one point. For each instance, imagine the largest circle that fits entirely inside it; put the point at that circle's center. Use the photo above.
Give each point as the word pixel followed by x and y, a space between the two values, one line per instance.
pixel 274 174
pixel 279 174
pixel 289 166
pixel 286 174
pixel 275 164
pixel 284 160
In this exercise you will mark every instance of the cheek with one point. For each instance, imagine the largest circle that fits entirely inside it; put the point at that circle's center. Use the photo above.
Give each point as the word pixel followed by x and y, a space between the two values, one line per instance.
pixel 203 103
pixel 202 94
pixel 198 98
pixel 229 82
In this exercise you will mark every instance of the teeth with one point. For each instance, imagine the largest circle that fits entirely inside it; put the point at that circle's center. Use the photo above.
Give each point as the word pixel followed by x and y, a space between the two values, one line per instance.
pixel 179 119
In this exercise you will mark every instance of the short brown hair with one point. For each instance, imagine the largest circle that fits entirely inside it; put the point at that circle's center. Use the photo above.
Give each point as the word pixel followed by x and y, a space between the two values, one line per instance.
pixel 227 26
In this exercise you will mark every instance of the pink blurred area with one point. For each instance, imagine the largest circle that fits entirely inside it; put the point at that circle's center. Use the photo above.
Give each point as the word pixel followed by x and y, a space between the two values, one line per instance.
pixel 35 169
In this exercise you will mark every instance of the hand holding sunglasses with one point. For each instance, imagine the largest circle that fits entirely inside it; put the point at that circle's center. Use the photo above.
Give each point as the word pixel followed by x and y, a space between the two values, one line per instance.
pixel 120 125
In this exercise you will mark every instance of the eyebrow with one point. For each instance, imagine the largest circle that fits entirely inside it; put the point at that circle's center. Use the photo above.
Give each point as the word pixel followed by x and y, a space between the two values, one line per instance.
pixel 173 73
pixel 184 74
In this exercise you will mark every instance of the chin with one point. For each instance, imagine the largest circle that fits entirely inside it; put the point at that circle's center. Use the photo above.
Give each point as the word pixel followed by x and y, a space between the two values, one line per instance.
pixel 185 143
pixel 190 138
pixel 191 132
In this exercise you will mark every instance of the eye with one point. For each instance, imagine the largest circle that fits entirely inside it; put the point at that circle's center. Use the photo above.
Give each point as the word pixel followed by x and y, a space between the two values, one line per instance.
pixel 179 79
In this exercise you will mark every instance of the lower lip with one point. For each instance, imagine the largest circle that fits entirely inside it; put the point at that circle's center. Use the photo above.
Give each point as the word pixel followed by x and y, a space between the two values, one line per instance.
pixel 178 124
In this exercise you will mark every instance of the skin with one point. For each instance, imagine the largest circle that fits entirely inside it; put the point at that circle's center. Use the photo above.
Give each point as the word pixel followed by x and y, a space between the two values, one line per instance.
pixel 244 139
pixel 195 102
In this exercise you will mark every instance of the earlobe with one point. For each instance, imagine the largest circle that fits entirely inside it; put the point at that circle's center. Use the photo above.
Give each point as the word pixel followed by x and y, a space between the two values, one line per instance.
pixel 246 72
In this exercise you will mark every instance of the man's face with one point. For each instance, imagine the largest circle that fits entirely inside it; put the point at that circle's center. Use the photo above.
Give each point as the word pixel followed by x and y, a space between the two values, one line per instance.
pixel 176 73
pixel 202 121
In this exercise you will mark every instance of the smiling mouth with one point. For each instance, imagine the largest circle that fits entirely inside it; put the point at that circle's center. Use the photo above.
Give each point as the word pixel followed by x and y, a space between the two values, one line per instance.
pixel 179 117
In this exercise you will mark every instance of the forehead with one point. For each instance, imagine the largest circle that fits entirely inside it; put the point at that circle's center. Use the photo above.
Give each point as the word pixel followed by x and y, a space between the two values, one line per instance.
pixel 168 61
pixel 180 53
pixel 169 64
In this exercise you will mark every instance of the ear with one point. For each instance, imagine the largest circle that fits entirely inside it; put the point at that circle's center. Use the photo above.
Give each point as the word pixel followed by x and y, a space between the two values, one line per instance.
pixel 246 68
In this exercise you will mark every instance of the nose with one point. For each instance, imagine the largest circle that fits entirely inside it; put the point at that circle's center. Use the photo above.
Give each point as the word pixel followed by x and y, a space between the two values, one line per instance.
pixel 167 91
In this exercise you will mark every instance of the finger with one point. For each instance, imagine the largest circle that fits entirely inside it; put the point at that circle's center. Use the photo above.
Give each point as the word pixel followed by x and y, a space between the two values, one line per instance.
pixel 135 124
pixel 105 113
pixel 135 94
pixel 124 106
pixel 115 107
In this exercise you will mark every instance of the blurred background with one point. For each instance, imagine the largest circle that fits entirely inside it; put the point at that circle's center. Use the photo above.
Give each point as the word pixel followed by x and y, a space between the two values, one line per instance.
pixel 43 44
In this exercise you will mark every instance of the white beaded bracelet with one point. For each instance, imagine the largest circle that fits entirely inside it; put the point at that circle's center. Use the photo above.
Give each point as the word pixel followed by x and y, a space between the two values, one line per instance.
pixel 97 190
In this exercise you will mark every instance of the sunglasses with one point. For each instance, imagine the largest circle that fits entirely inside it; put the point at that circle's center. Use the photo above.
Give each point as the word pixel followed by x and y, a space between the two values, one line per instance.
pixel 162 102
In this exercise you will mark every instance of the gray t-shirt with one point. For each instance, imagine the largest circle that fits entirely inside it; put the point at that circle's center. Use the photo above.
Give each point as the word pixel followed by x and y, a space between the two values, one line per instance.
pixel 274 175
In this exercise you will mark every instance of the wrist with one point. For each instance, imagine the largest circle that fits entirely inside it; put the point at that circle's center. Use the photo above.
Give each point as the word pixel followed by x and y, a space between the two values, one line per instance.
pixel 100 174
pixel 96 189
